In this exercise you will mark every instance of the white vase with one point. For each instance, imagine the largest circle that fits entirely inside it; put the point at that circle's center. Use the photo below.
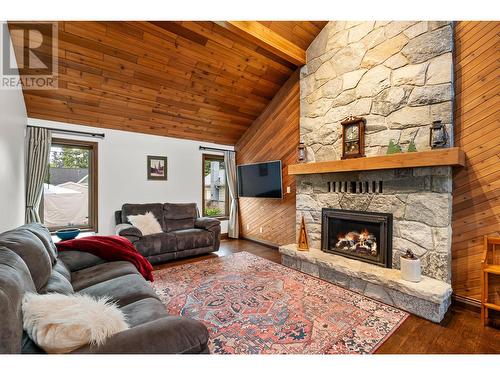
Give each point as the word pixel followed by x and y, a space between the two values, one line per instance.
pixel 411 270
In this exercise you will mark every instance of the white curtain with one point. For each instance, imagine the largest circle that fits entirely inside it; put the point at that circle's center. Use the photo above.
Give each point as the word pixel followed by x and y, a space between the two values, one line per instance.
pixel 230 166
pixel 39 141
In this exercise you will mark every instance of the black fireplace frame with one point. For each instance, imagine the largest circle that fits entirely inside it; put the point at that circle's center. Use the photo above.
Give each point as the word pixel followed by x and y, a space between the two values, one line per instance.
pixel 385 224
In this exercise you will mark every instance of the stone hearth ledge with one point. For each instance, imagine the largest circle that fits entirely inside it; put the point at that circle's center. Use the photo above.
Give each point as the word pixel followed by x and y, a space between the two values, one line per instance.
pixel 429 298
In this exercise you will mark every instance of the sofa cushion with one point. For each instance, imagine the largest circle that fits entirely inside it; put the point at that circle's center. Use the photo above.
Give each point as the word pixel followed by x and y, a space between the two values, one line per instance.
pixel 179 224
pixel 77 260
pixel 60 280
pixel 15 280
pixel 143 311
pixel 140 209
pixel 57 283
pixel 168 335
pixel 123 290
pixel 193 238
pixel 179 216
pixel 33 252
pixel 156 244
pixel 61 267
pixel 175 211
pixel 44 235
pixel 101 272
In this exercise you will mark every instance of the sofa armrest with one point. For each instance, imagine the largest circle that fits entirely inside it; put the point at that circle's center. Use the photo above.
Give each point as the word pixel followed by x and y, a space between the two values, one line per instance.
pixel 76 260
pixel 169 335
pixel 128 231
pixel 213 226
pixel 207 223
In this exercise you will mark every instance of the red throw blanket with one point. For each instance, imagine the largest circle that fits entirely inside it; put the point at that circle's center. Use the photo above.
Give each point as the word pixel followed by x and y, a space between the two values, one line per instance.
pixel 110 248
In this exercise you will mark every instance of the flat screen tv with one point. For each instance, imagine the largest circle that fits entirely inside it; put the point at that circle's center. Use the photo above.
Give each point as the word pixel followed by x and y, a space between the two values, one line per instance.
pixel 260 180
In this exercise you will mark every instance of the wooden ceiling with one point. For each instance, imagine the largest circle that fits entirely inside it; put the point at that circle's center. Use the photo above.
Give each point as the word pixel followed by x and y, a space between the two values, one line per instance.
pixel 204 81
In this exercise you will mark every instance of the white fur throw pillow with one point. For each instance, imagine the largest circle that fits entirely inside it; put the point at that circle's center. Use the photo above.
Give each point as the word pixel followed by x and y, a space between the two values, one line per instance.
pixel 60 323
pixel 146 223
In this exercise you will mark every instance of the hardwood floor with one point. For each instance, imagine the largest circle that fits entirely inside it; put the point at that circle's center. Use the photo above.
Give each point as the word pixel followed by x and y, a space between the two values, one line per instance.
pixel 460 333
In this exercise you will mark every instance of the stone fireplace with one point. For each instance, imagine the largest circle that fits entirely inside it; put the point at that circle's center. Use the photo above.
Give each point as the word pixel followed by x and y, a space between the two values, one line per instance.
pixel 365 236
pixel 418 199
pixel 398 76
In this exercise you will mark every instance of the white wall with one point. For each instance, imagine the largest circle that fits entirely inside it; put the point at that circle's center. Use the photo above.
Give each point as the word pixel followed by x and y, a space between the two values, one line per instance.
pixel 122 169
pixel 12 145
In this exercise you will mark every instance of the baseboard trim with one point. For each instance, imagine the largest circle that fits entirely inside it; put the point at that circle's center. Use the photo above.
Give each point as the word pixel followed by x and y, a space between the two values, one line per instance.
pixel 261 242
pixel 467 303
pixel 224 236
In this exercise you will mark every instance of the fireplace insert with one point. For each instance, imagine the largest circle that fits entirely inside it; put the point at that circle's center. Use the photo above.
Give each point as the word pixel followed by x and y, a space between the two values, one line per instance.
pixel 361 235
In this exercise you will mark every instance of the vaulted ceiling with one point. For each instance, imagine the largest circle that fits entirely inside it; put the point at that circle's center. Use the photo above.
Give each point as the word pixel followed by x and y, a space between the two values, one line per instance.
pixel 197 80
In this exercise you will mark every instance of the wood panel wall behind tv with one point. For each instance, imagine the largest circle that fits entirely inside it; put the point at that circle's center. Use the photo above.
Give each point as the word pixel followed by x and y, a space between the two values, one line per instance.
pixel 274 135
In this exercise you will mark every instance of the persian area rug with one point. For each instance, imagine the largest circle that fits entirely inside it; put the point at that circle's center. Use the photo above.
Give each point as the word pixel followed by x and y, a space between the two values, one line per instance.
pixel 251 305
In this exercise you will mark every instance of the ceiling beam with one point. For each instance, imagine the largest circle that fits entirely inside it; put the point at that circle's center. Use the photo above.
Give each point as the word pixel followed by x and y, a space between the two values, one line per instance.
pixel 267 39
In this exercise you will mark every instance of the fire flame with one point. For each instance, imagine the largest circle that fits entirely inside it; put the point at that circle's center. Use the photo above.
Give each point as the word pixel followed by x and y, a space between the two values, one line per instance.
pixel 356 241
pixel 351 236
pixel 354 236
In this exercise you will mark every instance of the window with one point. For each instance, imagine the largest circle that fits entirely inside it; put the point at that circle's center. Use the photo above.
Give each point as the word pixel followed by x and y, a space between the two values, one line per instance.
pixel 70 188
pixel 215 194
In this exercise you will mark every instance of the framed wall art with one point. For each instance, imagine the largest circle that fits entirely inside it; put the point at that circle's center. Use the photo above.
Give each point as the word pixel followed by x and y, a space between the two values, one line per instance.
pixel 157 168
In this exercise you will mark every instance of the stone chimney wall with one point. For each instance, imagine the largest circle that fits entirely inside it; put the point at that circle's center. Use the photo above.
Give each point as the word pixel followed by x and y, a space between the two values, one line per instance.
pixel 399 77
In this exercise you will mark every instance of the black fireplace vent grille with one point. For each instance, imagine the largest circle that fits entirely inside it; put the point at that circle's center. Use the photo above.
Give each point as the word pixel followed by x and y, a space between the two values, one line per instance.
pixel 355 187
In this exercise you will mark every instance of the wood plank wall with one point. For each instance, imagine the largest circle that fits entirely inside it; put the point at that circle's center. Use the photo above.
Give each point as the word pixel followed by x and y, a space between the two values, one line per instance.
pixel 476 188
pixel 273 136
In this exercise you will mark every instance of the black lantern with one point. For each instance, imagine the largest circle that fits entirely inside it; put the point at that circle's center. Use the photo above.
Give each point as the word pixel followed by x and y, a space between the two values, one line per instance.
pixel 438 136
pixel 301 152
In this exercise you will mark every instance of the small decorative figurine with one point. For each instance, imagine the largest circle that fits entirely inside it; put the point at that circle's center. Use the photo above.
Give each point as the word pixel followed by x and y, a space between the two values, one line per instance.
pixel 438 135
pixel 393 148
pixel 301 152
pixel 412 147
pixel 353 137
pixel 303 243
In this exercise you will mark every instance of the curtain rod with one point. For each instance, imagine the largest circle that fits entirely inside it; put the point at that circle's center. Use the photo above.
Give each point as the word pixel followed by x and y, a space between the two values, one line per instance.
pixel 75 132
pixel 214 149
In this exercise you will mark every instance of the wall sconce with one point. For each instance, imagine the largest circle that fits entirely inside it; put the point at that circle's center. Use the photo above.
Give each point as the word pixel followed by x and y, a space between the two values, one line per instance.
pixel 301 152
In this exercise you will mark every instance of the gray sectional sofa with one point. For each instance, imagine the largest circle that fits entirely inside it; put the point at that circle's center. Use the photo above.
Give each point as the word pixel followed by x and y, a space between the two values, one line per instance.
pixel 184 233
pixel 29 262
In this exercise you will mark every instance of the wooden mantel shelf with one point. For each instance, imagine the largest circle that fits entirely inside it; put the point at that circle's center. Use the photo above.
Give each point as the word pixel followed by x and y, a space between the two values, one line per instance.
pixel 454 157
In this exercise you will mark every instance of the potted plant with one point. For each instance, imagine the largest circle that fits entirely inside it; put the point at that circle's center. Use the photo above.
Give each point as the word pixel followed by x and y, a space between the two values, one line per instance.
pixel 410 267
